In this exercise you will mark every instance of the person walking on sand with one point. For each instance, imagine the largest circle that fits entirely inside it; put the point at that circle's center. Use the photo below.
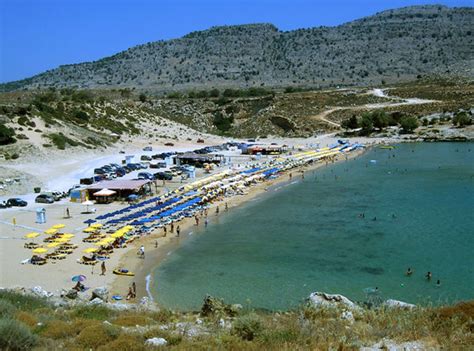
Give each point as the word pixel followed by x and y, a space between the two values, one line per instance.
pixel 178 230
pixel 142 251
pixel 217 210
pixel 226 208
pixel 156 244
pixel 103 269
pixel 196 218
pixel 164 231
pixel 134 289
pixel 172 228
pixel 68 215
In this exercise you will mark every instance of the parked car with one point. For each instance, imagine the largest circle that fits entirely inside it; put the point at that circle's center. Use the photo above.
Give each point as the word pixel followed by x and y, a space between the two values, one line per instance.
pixel 200 140
pixel 169 144
pixel 16 202
pixel 3 204
pixel 158 165
pixel 54 194
pixel 147 148
pixel 145 175
pixel 163 176
pixel 145 158
pixel 44 198
pixel 99 171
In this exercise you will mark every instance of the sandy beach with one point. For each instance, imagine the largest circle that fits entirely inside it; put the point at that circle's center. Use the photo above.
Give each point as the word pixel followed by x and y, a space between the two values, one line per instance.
pixel 56 276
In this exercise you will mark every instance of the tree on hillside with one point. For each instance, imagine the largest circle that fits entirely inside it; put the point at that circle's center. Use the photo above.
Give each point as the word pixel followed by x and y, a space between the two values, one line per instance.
pixel 350 123
pixel 409 124
pixel 462 119
pixel 142 97
pixel 366 124
pixel 379 119
pixel 6 135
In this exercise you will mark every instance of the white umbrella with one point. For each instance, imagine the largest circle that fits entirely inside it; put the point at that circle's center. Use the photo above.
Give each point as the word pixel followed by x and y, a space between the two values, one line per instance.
pixel 87 204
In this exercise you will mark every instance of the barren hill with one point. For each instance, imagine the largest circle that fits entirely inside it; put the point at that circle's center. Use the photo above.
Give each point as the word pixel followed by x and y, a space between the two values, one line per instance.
pixel 390 46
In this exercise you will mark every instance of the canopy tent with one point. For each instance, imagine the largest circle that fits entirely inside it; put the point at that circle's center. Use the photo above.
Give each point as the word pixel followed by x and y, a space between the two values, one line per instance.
pixel 105 192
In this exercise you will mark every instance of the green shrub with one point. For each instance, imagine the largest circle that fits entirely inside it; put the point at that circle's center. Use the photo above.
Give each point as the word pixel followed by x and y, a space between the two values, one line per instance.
pixel 248 326
pixel 95 336
pixel 93 312
pixel 6 135
pixel 23 302
pixel 124 343
pixel 57 329
pixel 7 309
pixel 14 335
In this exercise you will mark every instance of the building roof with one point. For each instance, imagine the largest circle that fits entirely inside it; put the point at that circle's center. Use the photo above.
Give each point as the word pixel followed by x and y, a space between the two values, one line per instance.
pixel 119 184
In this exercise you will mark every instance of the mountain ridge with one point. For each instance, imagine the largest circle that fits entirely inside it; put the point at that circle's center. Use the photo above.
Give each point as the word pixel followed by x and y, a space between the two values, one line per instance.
pixel 390 46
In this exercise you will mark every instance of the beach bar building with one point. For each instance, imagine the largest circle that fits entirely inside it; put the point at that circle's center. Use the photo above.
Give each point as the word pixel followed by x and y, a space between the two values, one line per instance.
pixel 121 188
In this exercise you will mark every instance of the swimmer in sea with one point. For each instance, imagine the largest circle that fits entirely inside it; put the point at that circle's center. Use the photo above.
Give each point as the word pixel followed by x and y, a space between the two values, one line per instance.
pixel 409 272
pixel 428 276
pixel 438 283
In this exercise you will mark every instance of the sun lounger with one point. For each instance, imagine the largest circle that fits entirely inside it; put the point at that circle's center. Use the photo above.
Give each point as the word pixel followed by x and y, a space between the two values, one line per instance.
pixel 89 262
pixel 30 245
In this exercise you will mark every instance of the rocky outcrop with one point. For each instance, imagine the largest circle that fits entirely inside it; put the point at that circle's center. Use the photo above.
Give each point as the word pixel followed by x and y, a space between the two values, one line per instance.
pixel 398 304
pixel 321 299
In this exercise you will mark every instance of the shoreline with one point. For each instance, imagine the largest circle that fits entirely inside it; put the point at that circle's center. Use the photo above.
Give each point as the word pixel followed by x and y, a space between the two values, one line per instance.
pixel 156 256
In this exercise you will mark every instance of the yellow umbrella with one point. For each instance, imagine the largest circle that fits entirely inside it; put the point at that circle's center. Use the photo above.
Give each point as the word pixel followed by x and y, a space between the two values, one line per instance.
pixel 127 228
pixel 67 236
pixel 90 230
pixel 51 231
pixel 90 250
pixel 58 226
pixel 117 234
pixel 53 244
pixel 40 250
pixel 61 240
pixel 96 225
pixel 32 235
pixel 102 243
pixel 108 240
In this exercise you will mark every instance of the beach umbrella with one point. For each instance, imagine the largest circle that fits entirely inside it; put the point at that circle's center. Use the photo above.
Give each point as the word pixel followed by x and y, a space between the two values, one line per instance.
pixel 108 240
pixel 97 225
pixel 89 221
pixel 67 236
pixel 78 278
pixel 53 244
pixel 58 226
pixel 40 250
pixel 117 234
pixel 32 235
pixel 90 250
pixel 51 231
pixel 61 240
pixel 87 204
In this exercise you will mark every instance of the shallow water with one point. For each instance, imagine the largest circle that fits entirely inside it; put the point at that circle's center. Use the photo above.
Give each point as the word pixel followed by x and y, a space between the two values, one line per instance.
pixel 307 236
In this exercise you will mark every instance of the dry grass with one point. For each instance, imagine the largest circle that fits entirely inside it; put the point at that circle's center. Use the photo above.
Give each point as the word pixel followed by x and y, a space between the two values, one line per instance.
pixel 306 328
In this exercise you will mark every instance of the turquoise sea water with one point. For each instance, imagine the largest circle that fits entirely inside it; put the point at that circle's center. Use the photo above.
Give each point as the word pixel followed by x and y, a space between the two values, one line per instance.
pixel 307 236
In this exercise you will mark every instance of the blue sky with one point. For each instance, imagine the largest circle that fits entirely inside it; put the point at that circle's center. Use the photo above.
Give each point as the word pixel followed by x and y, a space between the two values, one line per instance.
pixel 37 35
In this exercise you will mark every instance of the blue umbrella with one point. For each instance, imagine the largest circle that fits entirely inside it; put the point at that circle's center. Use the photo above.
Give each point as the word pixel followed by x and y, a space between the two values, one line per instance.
pixel 78 278
pixel 90 221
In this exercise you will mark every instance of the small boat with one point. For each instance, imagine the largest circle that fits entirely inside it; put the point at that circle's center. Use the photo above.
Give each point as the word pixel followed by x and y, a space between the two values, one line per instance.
pixel 122 271
pixel 388 147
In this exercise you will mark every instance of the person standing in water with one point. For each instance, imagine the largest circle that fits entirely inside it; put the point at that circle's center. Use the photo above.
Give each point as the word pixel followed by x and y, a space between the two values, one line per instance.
pixel 409 272
pixel 226 208
pixel 103 269
pixel 217 210
pixel 172 228
pixel 428 276
pixel 164 231
pixel 205 222
pixel 178 230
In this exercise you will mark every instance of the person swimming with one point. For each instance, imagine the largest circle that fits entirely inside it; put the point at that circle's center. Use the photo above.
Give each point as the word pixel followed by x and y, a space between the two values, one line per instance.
pixel 438 283
pixel 409 272
pixel 428 276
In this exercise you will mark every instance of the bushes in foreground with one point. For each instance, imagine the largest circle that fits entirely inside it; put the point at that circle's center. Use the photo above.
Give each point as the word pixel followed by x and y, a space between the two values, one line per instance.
pixel 15 336
pixel 28 322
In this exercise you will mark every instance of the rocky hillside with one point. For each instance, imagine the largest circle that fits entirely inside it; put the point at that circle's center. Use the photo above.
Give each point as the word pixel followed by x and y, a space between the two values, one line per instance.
pixel 390 46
